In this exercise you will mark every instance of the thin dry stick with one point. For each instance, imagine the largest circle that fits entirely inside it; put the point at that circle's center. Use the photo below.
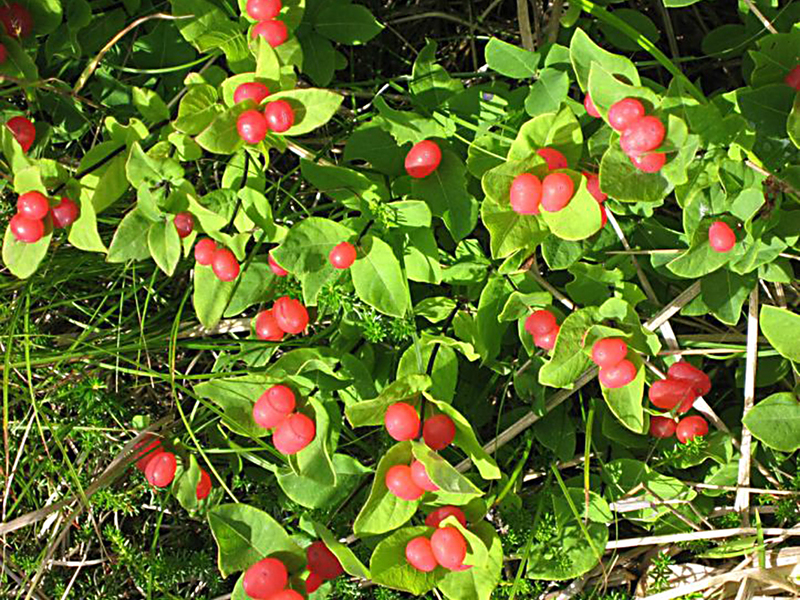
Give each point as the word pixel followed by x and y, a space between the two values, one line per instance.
pixel 555 21
pixel 754 9
pixel 525 25
pixel 743 496
pixel 537 276
pixel 660 540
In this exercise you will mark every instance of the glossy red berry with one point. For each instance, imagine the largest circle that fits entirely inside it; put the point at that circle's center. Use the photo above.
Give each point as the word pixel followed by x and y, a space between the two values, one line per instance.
pixel 449 547
pixel 343 255
pixel 609 351
pixel 16 20
pixel 184 223
pixel 438 432
pixel 265 578
pixel 290 314
pixel 267 327
pixel 419 554
pixel 33 205
pixel 160 471
pixel 23 131
pixel 3 54
pixel 557 191
pixel 526 194
pixel 401 421
pixel 313 582
pixel 423 159
pixel 623 113
pixel 261 10
pixel 440 514
pixel 401 484
pixel 620 375
pixel 273 406
pixel 642 136
pixel 691 427
pixel 287 594
pixel 273 31
pixel 420 476
pixel 26 230
pixel 666 394
pixel 649 163
pixel 224 264
pixel 203 486
pixel 252 126
pixel 322 561
pixel 553 158
pixel 540 322
pixel 721 237
pixel 252 90
pixel 593 187
pixel 662 427
pixel 793 78
pixel 276 269
pixel 591 109
pixel 65 213
pixel 279 115
pixel 146 449
pixel 204 251
pixel 294 433
pixel 687 372
pixel 547 341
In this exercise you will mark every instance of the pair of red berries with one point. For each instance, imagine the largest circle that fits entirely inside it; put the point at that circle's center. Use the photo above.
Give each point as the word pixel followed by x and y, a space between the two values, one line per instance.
pixel 528 193
pixel 685 430
pixel 35 216
pixel 446 547
pixel 793 78
pixel 275 409
pixel 615 370
pixel 409 482
pixel 253 125
pixel 721 237
pixel 639 134
pixel 267 580
pixel 402 423
pixel 423 159
pixel 159 466
pixel 23 131
pixel 323 565
pixel 683 385
pixel 222 261
pixel 268 27
pixel 287 315
pixel 541 324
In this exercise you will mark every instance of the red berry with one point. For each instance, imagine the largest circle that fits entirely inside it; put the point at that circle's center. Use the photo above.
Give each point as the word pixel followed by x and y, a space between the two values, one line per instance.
pixel 721 237
pixel 343 255
pixel 23 131
pixel 662 427
pixel 793 78
pixel 204 251
pixel 294 433
pixel 609 351
pixel 669 393
pixel 603 216
pixel 147 448
pixel 547 341
pixel 17 20
pixel 262 10
pixel 279 115
pixel 553 158
pixel 65 213
pixel 160 471
pixel 526 194
pixel 401 484
pixel 438 432
pixel 3 54
pixel 224 264
pixel 440 514
pixel 593 187
pixel 449 547
pixel 265 578
pixel 273 31
pixel 540 322
pixel 252 126
pixel 557 191
pixel 184 223
pixel 33 205
pixel 420 476
pixel 401 421
pixel 649 163
pixel 591 109
pixel 287 594
pixel 278 270
pixel 419 554
pixel 620 375
pixel 423 159
pixel 203 486
pixel 642 136
pixel 623 113
pixel 290 314
pixel 267 327
pixel 691 427
pixel 273 406
pixel 322 561
pixel 686 372
pixel 252 90
pixel 313 582
pixel 26 230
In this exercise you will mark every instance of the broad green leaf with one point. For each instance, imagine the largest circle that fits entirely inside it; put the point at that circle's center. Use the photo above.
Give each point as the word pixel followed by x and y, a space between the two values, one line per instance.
pixel 626 402
pixel 408 126
pixel 700 259
pixel 793 122
pixel 489 331
pixel 569 360
pixel 444 374
pixel 477 583
pixel 606 90
pixel 106 184
pixel 210 295
pixel 782 328
pixel 725 293
pixel 309 493
pixel 185 488
pixel 378 279
pixel 430 83
pixel 23 259
pixel 236 397
pixel 319 57
pixel 583 52
pixel 444 475
pixel 644 26
pixel 390 568
pixel 314 461
pixel 312 108
pixel 371 412
pixel 547 94
pixel 580 218
pixel 560 131
pixel 165 245
pixel 347 23
pixel 197 109
pixel 221 136
pixel 625 183
pixel 775 421
pixel 150 105
pixel 511 61
pixel 129 241
pixel 83 233
pixel 210 29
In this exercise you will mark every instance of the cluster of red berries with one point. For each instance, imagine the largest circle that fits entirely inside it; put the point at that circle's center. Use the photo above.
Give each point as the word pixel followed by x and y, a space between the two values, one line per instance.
pixel 402 423
pixel 342 256
pixel 683 385
pixel 446 547
pixel 159 466
pixel 528 193
pixel 223 262
pixel 268 27
pixel 275 409
pixel 793 78
pixel 615 370
pixel 287 315
pixel 35 217
pixel 267 580
pixel 322 566
pixel 409 482
pixel 721 237
pixel 253 124
pixel 541 324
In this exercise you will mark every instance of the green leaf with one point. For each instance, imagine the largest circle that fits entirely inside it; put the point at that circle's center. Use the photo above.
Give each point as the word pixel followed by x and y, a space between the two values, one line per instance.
pixel 378 278
pixel 129 241
pixel 430 83
pixel 444 475
pixel 185 488
pixel 409 126
pixel 221 136
pixel 580 218
pixel 775 421
pixel 106 184
pixel 583 52
pixel 197 109
pixel 347 23
pixel 560 131
pixel 23 259
pixel 700 259
pixel 319 57
pixel 83 233
pixel 390 568
pixel 793 122
pixel 782 328
pixel 347 558
pixel 644 26
pixel 445 366
pixel 210 295
pixel 547 94
pixel 150 105
pixel 165 245
pixel 371 412
pixel 236 397
pixel 511 61
pixel 479 582
pixel 569 360
pixel 309 493
pixel 625 183
pixel 626 402
pixel 314 461
pixel 489 331
pixel 210 29
pixel 312 108
pixel 724 293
